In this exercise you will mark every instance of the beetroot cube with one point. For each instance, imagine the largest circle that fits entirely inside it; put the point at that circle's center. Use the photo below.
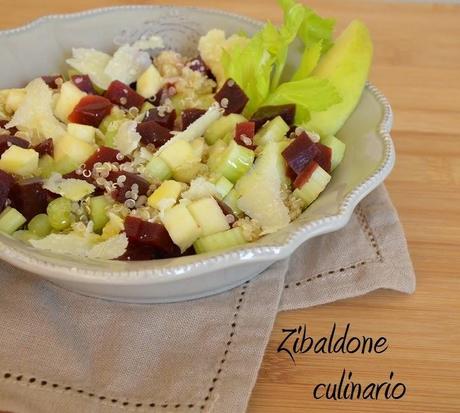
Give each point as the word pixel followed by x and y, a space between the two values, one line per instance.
pixel 166 119
pixel 45 148
pixel 324 158
pixel 3 123
pixel 7 140
pixel 83 82
pixel 152 234
pixel 244 134
pixel 123 95
pixel 91 110
pixel 119 194
pixel 138 252
pixel 104 154
pixel 300 152
pixel 167 91
pixel 198 65
pixel 53 81
pixel 190 115
pixel 30 198
pixel 6 182
pixel 231 97
pixel 152 132
pixel 305 175
pixel 267 113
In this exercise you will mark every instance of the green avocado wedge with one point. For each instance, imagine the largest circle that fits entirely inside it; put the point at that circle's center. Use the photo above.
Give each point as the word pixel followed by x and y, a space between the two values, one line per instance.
pixel 346 65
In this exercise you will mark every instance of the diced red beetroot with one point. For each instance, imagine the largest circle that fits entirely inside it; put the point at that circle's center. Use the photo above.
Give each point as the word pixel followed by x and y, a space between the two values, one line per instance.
pixel 123 95
pixel 53 81
pixel 324 158
pixel 290 173
pixel 198 65
pixel 266 113
pixel 138 252
pixel 104 154
pixel 244 134
pixel 167 91
pixel 6 182
pixel 167 120
pixel 300 152
pixel 91 110
pixel 304 177
pixel 231 97
pixel 152 132
pixel 7 140
pixel 83 82
pixel 30 198
pixel 152 234
pixel 12 130
pixel 190 115
pixel 120 193
pixel 45 148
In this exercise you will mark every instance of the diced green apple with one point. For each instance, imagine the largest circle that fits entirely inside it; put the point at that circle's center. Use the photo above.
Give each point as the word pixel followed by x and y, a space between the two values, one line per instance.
pixel 181 226
pixel 221 240
pixel 19 161
pixel 346 65
pixel 69 97
pixel 149 83
pixel 73 148
pixel 157 168
pixel 168 190
pixel 86 133
pixel 209 216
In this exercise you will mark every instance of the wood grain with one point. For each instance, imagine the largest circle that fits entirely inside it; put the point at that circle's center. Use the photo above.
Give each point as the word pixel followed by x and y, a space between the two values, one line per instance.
pixel 417 65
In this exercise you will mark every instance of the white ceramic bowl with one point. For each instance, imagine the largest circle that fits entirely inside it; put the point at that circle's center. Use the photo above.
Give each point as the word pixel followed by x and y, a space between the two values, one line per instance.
pixel 40 48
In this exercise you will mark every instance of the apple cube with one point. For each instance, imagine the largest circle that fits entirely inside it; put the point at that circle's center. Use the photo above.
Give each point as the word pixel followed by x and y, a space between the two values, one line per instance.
pixel 86 133
pixel 209 216
pixel 14 99
pixel 181 226
pixel 168 190
pixel 19 161
pixel 149 83
pixel 177 154
pixel 74 148
pixel 69 97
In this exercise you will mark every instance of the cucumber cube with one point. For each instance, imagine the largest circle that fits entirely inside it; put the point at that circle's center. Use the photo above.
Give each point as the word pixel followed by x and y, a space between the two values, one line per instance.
pixel 157 168
pixel 11 220
pixel 234 162
pixel 232 201
pixel 219 241
pixel 99 206
pixel 223 186
pixel 273 131
pixel 223 126
pixel 338 150
pixel 315 184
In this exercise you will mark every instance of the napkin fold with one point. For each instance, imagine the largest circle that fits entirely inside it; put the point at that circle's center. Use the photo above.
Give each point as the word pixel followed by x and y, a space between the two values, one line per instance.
pixel 60 351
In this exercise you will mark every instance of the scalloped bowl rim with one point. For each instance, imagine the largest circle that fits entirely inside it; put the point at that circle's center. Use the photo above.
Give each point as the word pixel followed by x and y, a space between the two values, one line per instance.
pixel 234 257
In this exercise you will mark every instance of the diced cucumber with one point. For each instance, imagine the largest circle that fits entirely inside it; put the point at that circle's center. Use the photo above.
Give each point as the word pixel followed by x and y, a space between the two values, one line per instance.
pixel 45 166
pixel 65 165
pixel 24 235
pixel 99 214
pixel 234 162
pixel 232 201
pixel 222 127
pixel 221 240
pixel 316 184
pixel 338 150
pixel 40 225
pixel 11 220
pixel 60 213
pixel 157 168
pixel 273 131
pixel 223 186
pixel 109 126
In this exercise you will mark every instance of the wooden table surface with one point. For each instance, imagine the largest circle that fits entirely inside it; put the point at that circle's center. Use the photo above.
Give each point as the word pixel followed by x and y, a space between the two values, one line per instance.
pixel 417 65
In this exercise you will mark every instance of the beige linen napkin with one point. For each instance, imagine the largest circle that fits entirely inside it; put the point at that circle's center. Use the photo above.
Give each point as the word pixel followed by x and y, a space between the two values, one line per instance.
pixel 61 352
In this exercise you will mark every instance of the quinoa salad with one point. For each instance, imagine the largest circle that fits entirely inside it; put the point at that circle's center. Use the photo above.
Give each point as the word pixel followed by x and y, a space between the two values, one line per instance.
pixel 147 154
